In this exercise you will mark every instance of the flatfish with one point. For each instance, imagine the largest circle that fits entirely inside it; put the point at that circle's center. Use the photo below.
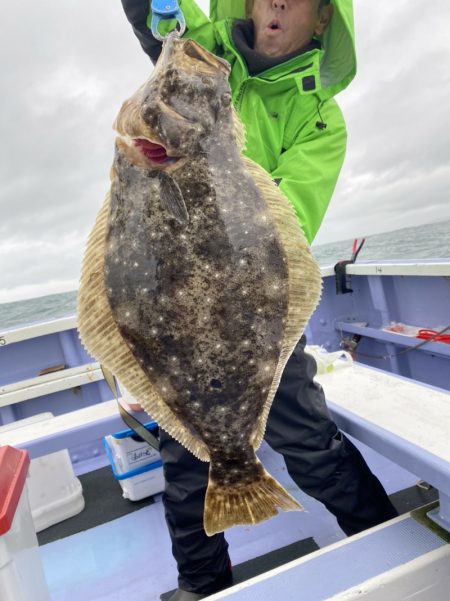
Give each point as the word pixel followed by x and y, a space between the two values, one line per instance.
pixel 197 280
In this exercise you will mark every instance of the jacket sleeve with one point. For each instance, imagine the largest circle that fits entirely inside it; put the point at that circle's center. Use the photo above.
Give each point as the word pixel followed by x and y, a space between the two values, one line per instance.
pixel 137 13
pixel 307 172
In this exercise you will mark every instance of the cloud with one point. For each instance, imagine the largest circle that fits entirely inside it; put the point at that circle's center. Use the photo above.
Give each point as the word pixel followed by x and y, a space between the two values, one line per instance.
pixel 67 67
pixel 397 172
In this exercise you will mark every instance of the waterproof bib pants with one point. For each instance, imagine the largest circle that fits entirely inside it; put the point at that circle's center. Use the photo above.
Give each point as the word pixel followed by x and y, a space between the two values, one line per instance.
pixel 319 458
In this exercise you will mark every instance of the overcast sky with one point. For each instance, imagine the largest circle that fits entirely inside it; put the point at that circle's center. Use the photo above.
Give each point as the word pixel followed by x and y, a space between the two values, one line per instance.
pixel 67 66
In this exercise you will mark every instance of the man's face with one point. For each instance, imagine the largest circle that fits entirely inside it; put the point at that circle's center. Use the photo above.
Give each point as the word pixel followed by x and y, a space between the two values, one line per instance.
pixel 283 26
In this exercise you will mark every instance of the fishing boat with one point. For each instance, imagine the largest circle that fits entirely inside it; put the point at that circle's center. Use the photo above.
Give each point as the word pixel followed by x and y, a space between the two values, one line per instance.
pixel 381 340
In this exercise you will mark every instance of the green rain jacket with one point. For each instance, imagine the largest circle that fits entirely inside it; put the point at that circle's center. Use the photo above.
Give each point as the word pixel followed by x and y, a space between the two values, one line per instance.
pixel 294 128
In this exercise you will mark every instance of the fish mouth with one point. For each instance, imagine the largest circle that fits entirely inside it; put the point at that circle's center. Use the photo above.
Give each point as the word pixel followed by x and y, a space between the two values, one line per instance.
pixel 155 153
pixel 146 153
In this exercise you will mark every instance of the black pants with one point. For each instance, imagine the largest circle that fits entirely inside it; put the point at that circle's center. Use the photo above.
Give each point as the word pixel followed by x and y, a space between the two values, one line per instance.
pixel 318 457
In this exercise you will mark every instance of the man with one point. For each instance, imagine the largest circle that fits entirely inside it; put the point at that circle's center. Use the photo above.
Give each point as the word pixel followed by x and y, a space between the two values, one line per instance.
pixel 288 61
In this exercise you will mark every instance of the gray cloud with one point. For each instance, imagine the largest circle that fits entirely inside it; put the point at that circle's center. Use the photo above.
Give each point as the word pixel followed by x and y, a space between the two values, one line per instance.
pixel 67 67
pixel 397 169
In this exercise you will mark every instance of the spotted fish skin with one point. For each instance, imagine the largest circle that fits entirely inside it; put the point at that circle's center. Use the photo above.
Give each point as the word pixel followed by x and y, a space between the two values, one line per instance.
pixel 201 303
pixel 190 275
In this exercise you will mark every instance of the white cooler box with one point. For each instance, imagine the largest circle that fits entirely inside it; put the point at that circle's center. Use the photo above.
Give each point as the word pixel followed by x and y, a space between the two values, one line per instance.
pixel 135 464
pixel 21 573
pixel 54 492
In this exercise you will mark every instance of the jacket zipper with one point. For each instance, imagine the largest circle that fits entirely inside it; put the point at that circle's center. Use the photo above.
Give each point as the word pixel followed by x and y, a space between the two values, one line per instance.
pixel 238 101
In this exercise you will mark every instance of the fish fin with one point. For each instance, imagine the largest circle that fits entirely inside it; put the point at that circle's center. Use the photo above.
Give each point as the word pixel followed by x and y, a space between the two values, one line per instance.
pixel 252 503
pixel 101 337
pixel 305 280
pixel 239 131
pixel 171 198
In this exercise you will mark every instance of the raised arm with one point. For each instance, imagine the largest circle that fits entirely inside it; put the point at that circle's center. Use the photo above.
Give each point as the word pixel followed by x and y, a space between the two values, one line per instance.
pixel 197 25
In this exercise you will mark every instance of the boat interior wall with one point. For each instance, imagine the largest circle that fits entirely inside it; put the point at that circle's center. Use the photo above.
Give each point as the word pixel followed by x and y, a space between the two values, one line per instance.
pixel 81 432
pixel 422 579
pixel 54 381
pixel 49 372
pixel 356 322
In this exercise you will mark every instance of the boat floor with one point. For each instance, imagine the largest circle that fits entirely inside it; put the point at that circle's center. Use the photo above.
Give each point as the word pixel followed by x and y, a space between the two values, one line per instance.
pixel 118 549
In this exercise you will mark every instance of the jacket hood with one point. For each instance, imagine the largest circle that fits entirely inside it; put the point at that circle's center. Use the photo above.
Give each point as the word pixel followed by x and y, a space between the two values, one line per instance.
pixel 338 64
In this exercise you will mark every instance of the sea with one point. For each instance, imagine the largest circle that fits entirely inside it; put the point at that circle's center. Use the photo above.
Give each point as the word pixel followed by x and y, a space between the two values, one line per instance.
pixel 430 241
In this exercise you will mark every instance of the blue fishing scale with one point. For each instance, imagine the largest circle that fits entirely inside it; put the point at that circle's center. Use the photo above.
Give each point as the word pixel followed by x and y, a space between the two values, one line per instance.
pixel 165 10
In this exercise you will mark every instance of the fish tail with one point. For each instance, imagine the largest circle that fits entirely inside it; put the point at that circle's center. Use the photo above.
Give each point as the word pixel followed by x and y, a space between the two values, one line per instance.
pixel 251 503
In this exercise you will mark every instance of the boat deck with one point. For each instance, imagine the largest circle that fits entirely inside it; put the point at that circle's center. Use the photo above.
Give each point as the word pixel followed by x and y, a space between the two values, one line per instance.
pixel 99 556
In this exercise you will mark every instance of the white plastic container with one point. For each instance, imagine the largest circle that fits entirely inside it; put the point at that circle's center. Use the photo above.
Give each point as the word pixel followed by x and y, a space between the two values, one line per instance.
pixel 136 465
pixel 55 493
pixel 21 573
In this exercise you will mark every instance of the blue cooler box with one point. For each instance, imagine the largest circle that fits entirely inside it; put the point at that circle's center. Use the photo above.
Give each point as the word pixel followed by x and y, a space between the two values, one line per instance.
pixel 135 464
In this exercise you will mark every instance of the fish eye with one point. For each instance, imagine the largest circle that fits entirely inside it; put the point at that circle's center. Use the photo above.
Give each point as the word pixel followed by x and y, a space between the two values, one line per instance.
pixel 207 81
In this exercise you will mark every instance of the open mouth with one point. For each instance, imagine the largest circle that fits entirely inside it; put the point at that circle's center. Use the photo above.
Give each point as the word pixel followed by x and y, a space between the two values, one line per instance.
pixel 274 25
pixel 154 152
